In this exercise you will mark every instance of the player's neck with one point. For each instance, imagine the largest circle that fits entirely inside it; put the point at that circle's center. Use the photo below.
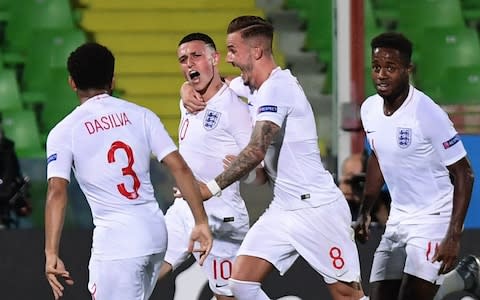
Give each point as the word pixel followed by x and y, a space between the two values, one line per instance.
pixel 84 95
pixel 391 104
pixel 212 89
pixel 265 69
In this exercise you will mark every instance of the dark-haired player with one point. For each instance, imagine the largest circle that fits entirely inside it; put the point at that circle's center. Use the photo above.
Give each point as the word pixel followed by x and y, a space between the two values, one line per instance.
pixel 222 128
pixel 107 142
pixel 415 151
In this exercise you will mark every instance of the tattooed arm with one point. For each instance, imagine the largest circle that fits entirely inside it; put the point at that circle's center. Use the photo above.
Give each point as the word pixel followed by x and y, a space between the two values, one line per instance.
pixel 249 158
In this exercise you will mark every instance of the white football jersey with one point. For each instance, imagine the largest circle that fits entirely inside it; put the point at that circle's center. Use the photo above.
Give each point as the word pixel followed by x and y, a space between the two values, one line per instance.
pixel 413 147
pixel 222 128
pixel 108 143
pixel 292 161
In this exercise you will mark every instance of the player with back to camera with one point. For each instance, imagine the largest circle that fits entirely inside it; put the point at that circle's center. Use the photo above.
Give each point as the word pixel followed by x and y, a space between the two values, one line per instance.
pixel 205 139
pixel 415 150
pixel 107 142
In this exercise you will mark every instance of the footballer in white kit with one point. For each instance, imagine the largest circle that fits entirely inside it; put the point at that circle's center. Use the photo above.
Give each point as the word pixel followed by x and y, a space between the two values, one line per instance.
pixel 222 128
pixel 205 139
pixel 306 200
pixel 419 155
pixel 413 147
pixel 108 143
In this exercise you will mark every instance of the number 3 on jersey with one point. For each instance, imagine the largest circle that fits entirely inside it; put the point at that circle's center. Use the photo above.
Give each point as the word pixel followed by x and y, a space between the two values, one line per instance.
pixel 126 171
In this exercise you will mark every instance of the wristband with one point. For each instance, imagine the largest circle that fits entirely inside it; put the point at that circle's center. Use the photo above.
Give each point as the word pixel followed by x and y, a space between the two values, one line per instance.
pixel 214 188
pixel 250 177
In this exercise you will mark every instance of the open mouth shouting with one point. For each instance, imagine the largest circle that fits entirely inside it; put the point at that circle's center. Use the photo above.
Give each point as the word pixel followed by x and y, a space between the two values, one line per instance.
pixel 194 76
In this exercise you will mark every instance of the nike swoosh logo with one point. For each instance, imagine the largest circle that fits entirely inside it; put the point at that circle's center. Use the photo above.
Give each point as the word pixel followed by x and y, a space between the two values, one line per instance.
pixel 370 131
pixel 220 285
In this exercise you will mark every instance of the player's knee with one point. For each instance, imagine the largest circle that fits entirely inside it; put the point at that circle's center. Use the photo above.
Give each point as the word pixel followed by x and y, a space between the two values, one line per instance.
pixel 246 290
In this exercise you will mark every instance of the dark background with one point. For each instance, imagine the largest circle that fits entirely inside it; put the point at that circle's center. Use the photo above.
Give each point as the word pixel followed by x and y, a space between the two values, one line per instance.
pixel 22 268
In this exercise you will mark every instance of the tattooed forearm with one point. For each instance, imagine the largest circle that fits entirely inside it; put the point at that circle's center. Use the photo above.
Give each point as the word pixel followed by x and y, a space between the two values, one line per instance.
pixel 251 156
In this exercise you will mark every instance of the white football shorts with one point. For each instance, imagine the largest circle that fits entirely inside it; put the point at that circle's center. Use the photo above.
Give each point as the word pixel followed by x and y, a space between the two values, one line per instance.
pixel 408 248
pixel 124 279
pixel 321 235
pixel 226 231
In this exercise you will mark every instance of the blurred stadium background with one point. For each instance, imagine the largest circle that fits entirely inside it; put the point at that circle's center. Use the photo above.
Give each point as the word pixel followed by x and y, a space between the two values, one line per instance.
pixel 324 42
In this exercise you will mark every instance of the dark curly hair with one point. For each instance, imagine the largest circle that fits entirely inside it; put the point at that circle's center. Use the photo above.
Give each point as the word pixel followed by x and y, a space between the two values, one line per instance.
pixel 394 40
pixel 91 66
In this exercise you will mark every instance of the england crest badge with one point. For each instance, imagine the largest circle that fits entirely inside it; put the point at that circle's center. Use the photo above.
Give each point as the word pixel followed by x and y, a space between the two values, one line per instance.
pixel 404 137
pixel 211 119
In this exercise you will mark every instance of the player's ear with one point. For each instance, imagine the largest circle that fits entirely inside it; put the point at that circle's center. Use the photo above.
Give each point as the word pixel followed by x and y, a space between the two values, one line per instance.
pixel 257 52
pixel 72 83
pixel 215 58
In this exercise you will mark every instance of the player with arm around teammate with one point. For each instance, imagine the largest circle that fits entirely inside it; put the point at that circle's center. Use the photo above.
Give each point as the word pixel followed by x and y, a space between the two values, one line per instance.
pixel 306 200
pixel 205 139
pixel 415 150
pixel 107 142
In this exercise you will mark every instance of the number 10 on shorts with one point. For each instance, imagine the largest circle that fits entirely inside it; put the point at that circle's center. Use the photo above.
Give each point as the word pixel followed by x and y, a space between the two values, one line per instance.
pixel 222 268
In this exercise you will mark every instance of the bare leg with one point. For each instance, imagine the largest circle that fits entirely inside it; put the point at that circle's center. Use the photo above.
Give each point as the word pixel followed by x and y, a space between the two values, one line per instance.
pixel 251 268
pixel 415 288
pixel 346 290
pixel 247 275
pixel 385 289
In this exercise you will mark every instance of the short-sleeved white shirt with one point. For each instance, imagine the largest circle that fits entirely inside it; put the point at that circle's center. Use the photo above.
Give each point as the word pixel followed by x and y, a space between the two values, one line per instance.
pixel 222 128
pixel 292 161
pixel 413 147
pixel 108 143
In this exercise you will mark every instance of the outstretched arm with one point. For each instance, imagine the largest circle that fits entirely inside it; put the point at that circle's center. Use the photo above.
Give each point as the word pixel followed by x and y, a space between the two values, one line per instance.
pixel 54 217
pixel 186 183
pixel 449 249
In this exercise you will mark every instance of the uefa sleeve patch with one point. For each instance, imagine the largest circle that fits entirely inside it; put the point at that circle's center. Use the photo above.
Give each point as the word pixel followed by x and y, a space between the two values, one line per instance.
pixel 267 108
pixel 451 141
pixel 51 158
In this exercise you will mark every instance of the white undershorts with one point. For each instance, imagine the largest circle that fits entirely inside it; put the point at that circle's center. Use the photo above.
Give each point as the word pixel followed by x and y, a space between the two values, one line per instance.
pixel 408 248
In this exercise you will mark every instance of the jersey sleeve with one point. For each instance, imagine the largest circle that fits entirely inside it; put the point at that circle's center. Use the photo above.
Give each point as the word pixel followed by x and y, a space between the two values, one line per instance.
pixel 273 103
pixel 59 153
pixel 437 127
pixel 240 124
pixel 159 139
pixel 240 89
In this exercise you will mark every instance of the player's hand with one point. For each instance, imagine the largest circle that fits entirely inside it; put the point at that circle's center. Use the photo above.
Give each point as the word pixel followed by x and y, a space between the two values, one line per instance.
pixel 447 253
pixel 192 100
pixel 227 160
pixel 361 228
pixel 201 241
pixel 55 269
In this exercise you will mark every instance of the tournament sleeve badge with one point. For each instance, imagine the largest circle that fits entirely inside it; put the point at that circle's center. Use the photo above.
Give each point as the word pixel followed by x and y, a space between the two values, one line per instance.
pixel 404 137
pixel 211 119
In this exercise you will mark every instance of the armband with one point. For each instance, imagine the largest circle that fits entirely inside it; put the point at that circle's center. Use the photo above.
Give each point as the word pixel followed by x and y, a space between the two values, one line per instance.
pixel 214 188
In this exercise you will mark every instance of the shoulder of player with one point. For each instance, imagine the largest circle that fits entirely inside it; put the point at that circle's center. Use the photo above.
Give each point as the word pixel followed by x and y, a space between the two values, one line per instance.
pixel 425 104
pixel 371 103
pixel 229 100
